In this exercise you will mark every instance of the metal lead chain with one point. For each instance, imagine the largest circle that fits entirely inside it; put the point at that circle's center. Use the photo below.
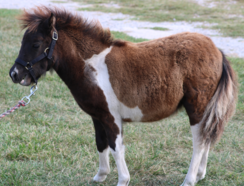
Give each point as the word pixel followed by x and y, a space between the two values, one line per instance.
pixel 21 102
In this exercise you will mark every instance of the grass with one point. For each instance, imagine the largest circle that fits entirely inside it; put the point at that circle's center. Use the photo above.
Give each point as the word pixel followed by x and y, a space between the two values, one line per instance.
pixel 159 28
pixel 51 141
pixel 229 16
pixel 121 35
pixel 58 2
pixel 118 19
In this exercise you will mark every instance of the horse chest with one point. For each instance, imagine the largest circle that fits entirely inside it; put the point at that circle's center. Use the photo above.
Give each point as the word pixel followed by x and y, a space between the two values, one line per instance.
pixel 100 76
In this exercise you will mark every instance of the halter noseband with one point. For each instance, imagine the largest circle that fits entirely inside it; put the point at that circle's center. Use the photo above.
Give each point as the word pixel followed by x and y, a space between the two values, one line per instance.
pixel 28 65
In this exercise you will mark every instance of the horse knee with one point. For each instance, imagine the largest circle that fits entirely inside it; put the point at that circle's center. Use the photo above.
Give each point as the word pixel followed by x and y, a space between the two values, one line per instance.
pixel 101 145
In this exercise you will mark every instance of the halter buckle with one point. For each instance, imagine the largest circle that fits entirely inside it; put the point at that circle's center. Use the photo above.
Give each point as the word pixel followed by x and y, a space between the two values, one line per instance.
pixel 55 36
pixel 28 66
pixel 45 51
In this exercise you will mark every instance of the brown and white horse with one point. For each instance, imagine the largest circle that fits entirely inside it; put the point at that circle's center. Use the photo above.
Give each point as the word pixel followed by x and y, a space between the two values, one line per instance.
pixel 116 81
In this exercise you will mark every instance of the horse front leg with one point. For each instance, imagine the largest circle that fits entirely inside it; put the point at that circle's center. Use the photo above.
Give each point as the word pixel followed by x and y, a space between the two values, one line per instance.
pixel 119 157
pixel 115 140
pixel 103 150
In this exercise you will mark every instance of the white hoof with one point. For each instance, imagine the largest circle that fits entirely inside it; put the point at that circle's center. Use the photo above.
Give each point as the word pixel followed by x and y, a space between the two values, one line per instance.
pixel 99 178
pixel 124 182
pixel 186 183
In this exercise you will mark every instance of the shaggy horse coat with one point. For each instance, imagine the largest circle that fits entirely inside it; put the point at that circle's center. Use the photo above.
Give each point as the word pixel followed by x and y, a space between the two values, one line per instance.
pixel 115 81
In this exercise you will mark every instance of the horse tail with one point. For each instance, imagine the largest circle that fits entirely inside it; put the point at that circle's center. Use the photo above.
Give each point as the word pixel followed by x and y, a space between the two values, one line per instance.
pixel 222 105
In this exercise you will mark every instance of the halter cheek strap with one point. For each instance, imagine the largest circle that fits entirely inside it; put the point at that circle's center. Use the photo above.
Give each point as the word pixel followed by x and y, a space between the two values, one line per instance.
pixel 28 65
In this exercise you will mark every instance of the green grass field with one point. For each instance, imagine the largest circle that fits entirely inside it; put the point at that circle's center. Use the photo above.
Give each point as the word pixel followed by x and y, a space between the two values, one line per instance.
pixel 51 141
pixel 229 15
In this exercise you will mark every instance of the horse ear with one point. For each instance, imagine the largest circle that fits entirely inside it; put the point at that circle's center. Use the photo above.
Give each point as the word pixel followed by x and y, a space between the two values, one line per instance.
pixel 52 22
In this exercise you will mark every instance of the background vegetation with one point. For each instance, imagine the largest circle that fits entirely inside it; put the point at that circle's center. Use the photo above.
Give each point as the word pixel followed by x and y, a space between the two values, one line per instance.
pixel 228 15
pixel 51 141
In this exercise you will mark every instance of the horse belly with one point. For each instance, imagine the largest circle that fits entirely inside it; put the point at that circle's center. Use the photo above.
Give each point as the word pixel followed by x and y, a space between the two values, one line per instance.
pixel 155 113
pixel 130 114
pixel 158 114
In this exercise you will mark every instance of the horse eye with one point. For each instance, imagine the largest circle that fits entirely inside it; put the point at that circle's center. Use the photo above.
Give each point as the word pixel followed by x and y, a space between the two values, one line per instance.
pixel 36 45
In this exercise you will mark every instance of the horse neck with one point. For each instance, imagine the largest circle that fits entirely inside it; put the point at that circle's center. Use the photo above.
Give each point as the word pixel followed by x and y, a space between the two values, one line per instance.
pixel 72 49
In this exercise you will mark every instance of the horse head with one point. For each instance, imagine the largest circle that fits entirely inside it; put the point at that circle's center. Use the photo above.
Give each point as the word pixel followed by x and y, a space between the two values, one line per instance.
pixel 35 55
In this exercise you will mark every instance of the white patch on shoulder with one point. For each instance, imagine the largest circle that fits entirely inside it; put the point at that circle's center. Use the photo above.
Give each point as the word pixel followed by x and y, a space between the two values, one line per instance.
pixel 97 61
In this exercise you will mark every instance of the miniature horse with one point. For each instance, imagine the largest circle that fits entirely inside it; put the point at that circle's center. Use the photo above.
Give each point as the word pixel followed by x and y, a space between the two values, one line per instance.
pixel 116 81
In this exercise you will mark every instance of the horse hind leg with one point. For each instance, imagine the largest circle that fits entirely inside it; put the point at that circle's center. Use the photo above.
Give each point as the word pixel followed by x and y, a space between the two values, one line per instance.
pixel 217 112
pixel 198 166
pixel 197 156
pixel 203 165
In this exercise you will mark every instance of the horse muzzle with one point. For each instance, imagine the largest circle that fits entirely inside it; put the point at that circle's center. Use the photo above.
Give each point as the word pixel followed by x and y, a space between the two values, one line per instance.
pixel 20 77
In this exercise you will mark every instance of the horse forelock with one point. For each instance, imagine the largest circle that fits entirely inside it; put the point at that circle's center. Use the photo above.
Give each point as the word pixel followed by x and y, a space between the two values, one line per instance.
pixel 33 18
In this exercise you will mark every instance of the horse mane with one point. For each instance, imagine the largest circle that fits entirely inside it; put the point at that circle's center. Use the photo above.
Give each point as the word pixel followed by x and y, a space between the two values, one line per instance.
pixel 65 20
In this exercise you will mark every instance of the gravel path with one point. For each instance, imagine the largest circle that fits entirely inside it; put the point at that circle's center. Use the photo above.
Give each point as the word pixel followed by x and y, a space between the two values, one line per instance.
pixel 139 29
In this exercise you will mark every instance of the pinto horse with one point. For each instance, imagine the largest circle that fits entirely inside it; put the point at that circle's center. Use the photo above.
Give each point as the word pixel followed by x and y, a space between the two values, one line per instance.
pixel 116 81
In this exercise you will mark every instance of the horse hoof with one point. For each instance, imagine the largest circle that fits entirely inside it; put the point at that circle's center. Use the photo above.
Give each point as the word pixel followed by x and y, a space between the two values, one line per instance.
pixel 98 178
pixel 187 184
pixel 123 183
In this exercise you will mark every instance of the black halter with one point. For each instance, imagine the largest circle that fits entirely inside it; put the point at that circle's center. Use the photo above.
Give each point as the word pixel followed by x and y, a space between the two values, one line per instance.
pixel 28 65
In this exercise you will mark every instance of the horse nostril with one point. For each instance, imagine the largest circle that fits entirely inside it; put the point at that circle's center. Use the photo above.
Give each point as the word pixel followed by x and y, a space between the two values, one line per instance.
pixel 14 75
